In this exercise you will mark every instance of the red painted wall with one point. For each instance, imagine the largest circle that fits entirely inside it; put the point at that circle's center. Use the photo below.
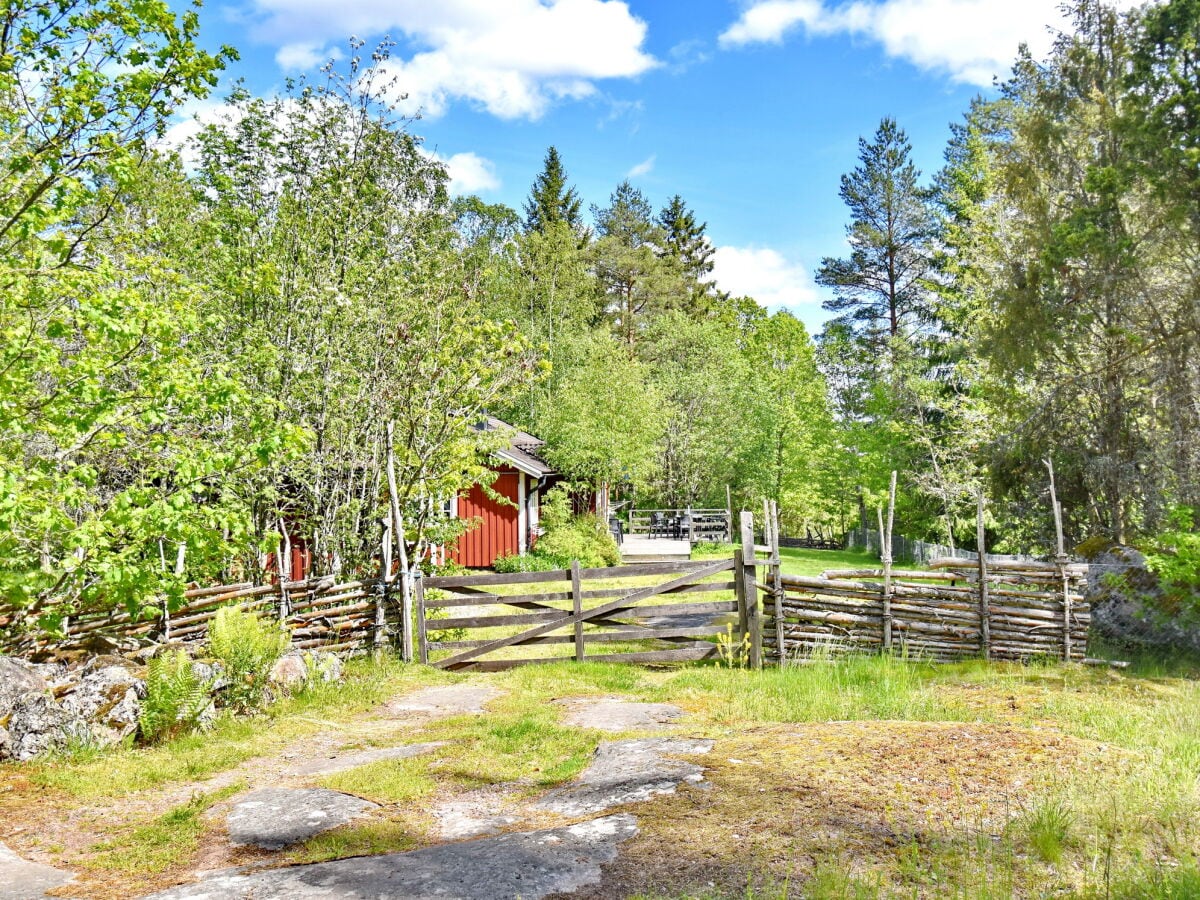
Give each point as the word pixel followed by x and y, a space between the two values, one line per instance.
pixel 498 531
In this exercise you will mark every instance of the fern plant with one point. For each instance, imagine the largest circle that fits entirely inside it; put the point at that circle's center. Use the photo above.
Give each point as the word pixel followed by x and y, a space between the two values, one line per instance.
pixel 247 647
pixel 176 697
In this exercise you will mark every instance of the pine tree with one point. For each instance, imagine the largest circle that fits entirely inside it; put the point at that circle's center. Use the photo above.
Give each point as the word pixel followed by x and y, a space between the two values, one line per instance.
pixel 879 289
pixel 550 200
pixel 636 280
pixel 688 243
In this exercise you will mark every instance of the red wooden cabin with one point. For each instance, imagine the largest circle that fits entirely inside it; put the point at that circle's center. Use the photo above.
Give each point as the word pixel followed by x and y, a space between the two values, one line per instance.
pixel 504 528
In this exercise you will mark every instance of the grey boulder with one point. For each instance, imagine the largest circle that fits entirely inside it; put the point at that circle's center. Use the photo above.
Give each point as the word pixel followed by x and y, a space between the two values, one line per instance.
pixel 17 678
pixel 110 700
pixel 39 724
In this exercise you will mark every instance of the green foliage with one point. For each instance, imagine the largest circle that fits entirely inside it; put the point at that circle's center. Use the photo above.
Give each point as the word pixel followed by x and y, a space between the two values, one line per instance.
pixel 247 646
pixel 605 420
pixel 565 537
pixel 176 697
pixel 115 434
pixel 551 201
pixel 1174 556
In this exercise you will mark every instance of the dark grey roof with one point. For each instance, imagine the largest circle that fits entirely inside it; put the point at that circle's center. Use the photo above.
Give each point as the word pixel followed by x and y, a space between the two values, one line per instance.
pixel 523 447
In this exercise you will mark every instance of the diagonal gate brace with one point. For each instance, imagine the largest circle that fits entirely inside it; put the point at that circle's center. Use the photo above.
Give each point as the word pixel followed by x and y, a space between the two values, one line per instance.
pixel 461 659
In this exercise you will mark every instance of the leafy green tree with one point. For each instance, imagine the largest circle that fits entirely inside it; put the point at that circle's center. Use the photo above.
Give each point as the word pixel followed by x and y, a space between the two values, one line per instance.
pixel 703 378
pixel 551 200
pixel 353 304
pixel 115 441
pixel 603 424
pixel 789 440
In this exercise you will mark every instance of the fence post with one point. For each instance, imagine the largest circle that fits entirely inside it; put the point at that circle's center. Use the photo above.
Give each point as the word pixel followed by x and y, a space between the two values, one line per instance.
pixel 1060 559
pixel 577 603
pixel 385 577
pixel 749 590
pixel 776 578
pixel 407 582
pixel 739 594
pixel 422 636
pixel 985 627
pixel 885 556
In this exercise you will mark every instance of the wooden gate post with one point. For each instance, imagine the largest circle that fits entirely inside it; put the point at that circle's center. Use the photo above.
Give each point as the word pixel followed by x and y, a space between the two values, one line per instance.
pixel 885 556
pixel 985 625
pixel 1060 560
pixel 422 636
pixel 775 577
pixel 739 594
pixel 577 604
pixel 385 577
pixel 749 590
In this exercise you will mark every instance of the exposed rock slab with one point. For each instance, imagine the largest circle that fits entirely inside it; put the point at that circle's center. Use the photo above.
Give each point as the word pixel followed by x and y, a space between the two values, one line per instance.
pixel 24 880
pixel 273 818
pixel 628 772
pixel 614 714
pixel 342 763
pixel 529 865
pixel 451 700
pixel 484 811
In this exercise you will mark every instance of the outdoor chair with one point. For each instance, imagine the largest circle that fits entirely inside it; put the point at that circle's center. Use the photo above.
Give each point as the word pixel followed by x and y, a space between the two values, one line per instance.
pixel 658 525
pixel 614 525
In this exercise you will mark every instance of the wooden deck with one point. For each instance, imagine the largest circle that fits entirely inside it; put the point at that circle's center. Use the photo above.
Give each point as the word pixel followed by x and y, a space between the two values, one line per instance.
pixel 639 548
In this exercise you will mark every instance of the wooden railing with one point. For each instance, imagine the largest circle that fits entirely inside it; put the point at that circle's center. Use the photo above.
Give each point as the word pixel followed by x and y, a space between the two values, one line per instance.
pixel 695 525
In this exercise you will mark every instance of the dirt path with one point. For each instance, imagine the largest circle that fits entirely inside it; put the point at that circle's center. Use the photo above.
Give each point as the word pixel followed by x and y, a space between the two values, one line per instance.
pixel 43 832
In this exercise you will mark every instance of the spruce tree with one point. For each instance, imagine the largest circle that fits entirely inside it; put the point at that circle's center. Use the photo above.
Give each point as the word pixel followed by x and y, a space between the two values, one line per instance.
pixel 688 243
pixel 550 200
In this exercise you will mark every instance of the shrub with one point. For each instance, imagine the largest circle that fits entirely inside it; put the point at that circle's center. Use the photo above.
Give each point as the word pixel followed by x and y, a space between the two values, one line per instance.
pixel 247 646
pixel 565 537
pixel 1175 559
pixel 176 697
pixel 584 538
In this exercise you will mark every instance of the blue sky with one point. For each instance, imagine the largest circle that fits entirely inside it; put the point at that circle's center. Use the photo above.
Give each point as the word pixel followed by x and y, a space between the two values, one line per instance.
pixel 750 109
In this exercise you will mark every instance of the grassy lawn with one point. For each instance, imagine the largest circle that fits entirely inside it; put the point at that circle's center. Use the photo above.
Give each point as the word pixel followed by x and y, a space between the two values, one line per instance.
pixel 868 777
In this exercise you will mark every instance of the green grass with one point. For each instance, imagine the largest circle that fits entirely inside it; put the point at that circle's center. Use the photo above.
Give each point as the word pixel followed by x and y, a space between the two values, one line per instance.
pixel 857 687
pixel 162 843
pixel 814 562
pixel 232 740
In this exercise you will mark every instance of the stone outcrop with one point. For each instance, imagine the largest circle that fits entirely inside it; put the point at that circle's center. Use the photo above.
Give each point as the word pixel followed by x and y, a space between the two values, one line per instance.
pixel 1123 595
pixel 295 669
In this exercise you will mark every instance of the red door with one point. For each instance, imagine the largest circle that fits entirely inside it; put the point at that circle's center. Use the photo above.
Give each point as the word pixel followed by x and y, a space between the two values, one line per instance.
pixel 497 532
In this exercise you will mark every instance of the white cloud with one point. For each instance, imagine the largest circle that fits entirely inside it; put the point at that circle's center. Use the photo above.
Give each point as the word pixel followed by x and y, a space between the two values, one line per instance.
pixel 194 118
pixel 765 275
pixel 470 173
pixel 768 21
pixel 645 167
pixel 511 57
pixel 970 40
pixel 305 56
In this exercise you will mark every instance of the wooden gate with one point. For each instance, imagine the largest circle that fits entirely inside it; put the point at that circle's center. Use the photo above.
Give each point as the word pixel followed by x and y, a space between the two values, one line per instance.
pixel 591 619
